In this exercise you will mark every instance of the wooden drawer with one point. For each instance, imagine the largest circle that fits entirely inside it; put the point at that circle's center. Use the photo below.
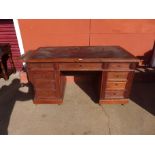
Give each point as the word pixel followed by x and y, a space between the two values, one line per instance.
pixel 45 94
pixel 115 85
pixel 118 65
pixel 114 94
pixel 41 84
pixel 80 66
pixel 42 74
pixel 41 66
pixel 117 76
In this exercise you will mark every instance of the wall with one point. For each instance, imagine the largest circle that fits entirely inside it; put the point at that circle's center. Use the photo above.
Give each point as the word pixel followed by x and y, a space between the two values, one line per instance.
pixel 137 36
pixel 37 33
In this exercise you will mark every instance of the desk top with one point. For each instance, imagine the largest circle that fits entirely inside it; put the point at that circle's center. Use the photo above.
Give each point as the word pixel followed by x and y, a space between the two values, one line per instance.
pixel 80 54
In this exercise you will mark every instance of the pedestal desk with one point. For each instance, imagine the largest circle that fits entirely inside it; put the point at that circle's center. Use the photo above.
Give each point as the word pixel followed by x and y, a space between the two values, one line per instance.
pixel 115 65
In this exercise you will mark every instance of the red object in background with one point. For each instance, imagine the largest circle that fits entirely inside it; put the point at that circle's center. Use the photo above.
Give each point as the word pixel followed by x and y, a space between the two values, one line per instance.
pixel 134 35
pixel 42 33
pixel 8 35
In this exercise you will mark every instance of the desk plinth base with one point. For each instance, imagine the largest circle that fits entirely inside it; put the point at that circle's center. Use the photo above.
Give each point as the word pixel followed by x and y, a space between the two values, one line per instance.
pixel 113 101
pixel 48 101
pixel 60 101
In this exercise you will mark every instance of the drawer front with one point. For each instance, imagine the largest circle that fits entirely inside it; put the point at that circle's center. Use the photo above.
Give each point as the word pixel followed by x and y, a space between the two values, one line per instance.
pixel 115 85
pixel 80 66
pixel 45 94
pixel 114 94
pixel 43 74
pixel 117 76
pixel 41 84
pixel 41 66
pixel 119 66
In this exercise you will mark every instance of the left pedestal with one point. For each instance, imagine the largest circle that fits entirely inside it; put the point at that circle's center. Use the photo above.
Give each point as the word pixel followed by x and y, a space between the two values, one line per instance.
pixel 47 82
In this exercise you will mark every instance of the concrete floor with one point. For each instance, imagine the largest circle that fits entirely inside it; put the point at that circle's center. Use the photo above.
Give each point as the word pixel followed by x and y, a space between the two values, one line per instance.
pixel 77 115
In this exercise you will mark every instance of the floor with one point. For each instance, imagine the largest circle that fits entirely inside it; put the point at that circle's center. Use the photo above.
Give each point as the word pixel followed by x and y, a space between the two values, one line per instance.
pixel 78 115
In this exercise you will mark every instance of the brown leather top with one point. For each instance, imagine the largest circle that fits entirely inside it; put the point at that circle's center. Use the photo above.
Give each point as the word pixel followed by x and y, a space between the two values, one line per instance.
pixel 79 54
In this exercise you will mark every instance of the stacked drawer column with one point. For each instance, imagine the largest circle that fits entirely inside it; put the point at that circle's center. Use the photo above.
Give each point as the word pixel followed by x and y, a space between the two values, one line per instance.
pixel 45 78
pixel 116 82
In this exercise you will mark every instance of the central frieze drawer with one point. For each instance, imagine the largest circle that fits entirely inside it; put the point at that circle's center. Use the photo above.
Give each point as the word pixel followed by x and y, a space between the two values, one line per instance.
pixel 115 85
pixel 80 66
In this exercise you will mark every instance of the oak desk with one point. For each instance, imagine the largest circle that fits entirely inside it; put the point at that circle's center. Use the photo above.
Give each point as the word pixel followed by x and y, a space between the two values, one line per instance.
pixel 115 64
